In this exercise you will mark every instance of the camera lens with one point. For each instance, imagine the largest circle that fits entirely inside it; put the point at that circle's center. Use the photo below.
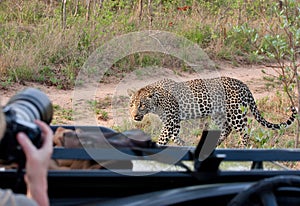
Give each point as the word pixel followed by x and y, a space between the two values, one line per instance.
pixel 31 104
pixel 20 113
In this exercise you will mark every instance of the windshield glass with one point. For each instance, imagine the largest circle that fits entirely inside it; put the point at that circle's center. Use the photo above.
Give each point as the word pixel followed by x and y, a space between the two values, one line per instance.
pixel 157 75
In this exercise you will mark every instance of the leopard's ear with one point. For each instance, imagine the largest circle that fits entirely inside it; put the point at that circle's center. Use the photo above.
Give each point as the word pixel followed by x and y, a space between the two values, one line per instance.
pixel 131 92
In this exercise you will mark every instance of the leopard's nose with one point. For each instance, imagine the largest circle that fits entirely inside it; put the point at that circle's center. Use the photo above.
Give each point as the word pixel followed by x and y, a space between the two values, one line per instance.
pixel 137 118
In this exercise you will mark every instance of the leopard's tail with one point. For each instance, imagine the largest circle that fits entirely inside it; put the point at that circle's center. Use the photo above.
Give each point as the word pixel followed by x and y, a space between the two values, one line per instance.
pixel 264 122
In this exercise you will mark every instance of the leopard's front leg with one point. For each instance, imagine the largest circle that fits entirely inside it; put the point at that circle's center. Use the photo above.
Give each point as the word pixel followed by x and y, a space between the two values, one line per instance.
pixel 170 130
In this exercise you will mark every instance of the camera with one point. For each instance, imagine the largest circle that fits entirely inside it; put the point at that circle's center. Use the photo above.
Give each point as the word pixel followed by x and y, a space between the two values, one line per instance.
pixel 20 113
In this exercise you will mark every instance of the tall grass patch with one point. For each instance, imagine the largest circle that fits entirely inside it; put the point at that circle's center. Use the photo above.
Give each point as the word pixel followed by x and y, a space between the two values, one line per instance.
pixel 33 36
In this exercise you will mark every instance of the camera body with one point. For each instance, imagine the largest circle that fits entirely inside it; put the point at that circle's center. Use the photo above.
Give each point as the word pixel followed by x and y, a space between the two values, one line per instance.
pixel 20 113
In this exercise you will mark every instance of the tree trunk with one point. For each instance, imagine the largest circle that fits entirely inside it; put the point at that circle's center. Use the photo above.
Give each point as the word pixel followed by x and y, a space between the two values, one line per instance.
pixel 140 9
pixel 101 4
pixel 64 14
pixel 88 8
pixel 76 7
pixel 150 16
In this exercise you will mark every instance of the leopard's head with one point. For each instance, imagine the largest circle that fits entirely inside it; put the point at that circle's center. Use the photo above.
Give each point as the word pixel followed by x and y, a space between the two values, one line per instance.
pixel 141 103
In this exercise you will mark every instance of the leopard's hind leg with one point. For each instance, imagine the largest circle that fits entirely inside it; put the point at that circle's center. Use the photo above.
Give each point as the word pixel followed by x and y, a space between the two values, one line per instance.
pixel 222 123
pixel 225 131
pixel 240 126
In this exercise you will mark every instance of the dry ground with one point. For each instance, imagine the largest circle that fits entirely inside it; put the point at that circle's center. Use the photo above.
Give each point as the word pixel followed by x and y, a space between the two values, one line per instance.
pixel 250 74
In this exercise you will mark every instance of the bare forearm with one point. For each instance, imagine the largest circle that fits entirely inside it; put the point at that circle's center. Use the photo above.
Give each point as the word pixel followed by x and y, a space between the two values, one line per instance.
pixel 38 191
pixel 37 164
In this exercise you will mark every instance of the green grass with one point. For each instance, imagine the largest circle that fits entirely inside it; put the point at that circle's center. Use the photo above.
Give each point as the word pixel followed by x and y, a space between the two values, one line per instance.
pixel 99 107
pixel 34 47
pixel 61 115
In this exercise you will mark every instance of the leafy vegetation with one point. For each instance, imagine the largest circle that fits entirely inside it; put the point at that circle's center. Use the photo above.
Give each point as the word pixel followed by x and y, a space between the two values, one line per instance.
pixel 40 41
pixel 282 46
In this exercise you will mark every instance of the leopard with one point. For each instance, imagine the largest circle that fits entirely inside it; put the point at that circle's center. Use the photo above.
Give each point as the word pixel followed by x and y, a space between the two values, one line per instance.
pixel 224 99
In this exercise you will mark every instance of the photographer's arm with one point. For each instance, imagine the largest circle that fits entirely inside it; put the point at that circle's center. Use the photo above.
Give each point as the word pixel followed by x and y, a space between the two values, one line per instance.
pixel 37 162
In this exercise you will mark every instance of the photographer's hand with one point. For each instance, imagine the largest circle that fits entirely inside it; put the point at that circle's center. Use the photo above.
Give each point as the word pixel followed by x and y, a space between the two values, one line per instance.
pixel 37 163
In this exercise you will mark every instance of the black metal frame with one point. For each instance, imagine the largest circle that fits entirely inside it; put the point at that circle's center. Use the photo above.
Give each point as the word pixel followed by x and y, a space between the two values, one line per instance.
pixel 106 184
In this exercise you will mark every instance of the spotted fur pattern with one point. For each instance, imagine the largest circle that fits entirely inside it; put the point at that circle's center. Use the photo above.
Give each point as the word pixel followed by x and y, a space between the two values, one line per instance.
pixel 224 99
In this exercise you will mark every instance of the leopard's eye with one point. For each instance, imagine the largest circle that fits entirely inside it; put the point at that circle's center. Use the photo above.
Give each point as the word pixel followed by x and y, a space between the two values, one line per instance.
pixel 142 106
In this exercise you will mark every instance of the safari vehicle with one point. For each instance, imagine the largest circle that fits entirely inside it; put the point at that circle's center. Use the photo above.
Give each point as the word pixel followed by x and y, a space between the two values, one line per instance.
pixel 198 178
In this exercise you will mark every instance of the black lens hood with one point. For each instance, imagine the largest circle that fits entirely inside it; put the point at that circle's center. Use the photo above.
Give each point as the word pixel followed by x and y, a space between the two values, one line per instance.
pixel 39 99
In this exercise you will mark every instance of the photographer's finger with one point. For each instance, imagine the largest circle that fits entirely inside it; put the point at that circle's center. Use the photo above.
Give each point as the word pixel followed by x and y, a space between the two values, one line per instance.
pixel 25 143
pixel 47 134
